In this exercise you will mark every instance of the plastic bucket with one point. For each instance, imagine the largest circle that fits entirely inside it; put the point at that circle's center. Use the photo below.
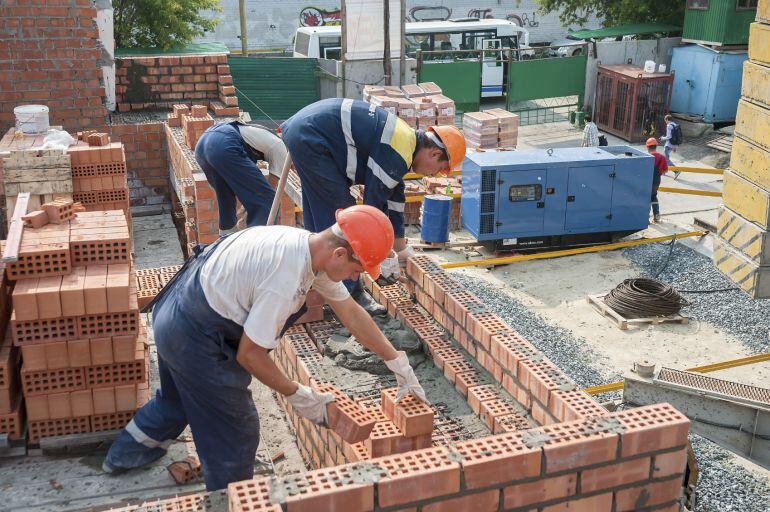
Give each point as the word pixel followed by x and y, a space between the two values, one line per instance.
pixel 649 66
pixel 31 118
pixel 435 218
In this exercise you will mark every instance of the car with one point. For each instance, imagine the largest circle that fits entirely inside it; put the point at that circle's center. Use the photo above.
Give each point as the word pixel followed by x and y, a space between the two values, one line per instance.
pixel 567 47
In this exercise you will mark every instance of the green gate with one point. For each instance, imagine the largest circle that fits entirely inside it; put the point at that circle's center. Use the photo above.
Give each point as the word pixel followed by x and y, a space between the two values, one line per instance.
pixel 458 79
pixel 274 88
pixel 544 90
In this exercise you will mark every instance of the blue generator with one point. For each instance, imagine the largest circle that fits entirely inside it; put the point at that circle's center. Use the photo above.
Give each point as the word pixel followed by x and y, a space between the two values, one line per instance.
pixel 557 197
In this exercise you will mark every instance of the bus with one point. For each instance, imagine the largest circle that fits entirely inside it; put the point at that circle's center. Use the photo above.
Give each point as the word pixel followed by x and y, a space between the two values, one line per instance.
pixel 472 34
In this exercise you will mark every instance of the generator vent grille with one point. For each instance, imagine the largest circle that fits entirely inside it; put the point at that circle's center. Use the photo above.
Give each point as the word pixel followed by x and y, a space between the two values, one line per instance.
pixel 488 180
pixel 487 224
pixel 487 203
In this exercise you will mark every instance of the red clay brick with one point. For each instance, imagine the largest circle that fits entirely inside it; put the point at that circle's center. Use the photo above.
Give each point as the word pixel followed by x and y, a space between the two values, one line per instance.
pixel 575 444
pixel 417 475
pixel 34 357
pixel 599 503
pixel 492 409
pixel 346 417
pixel 545 489
pixel 56 355
pixel 615 475
pixel 82 403
pixel 95 289
pixel 487 501
pixel 101 351
pixel 652 428
pixel 497 459
pixel 79 352
pixel 639 498
pixel 25 299
pixel 71 291
pixel 48 297
pixel 36 219
pixel 329 489
pixel 412 417
pixel 668 464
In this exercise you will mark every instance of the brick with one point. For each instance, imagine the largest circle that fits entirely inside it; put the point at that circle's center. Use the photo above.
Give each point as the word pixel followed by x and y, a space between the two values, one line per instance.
pixel 59 210
pixel 385 439
pixel 118 276
pixel 37 407
pixel 56 355
pixel 455 367
pixel 104 400
pixel 59 406
pixel 574 405
pixel 575 444
pixel 667 464
pixel 417 475
pixel 25 299
pixel 123 348
pixel 510 423
pixel 486 501
pixel 652 428
pixel 95 289
pixel 651 494
pixel 335 488
pixel 412 417
pixel 251 495
pixel 71 292
pixel 491 409
pixel 101 351
pixel 40 382
pixel 544 489
pixel 49 428
pixel 441 356
pixel 497 459
pixel 34 357
pixel 48 297
pixel 36 219
pixel 346 418
pixel 79 353
pixel 82 403
pixel 599 503
pixel 125 397
pixel 615 475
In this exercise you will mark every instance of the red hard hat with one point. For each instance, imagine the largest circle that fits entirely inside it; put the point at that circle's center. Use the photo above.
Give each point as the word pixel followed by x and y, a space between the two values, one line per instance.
pixel 370 234
pixel 651 142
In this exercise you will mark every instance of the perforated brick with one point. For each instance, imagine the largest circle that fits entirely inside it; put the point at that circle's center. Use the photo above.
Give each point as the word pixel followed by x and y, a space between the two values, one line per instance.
pixel 112 421
pixel 443 355
pixel 109 324
pixel 574 405
pixel 345 417
pixel 251 496
pixel 386 439
pixel 337 488
pixel 116 374
pixel 61 427
pixel 491 409
pixel 43 330
pixel 651 428
pixel 39 382
pixel 12 423
pixel 542 378
pixel 52 259
pixel 417 475
pixel 497 459
pixel 511 423
pixel 412 416
pixel 479 394
pixel 455 367
pixel 576 444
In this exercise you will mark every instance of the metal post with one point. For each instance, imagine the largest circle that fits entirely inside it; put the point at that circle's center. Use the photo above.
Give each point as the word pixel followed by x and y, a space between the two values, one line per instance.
pixel 402 58
pixel 387 70
pixel 242 13
pixel 344 50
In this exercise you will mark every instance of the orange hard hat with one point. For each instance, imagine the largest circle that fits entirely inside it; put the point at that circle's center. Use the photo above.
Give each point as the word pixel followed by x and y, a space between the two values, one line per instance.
pixel 454 144
pixel 651 142
pixel 370 234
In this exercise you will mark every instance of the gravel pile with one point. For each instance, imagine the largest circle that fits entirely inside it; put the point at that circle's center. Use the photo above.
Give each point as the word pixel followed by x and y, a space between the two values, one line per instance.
pixel 725 486
pixel 733 311
pixel 558 344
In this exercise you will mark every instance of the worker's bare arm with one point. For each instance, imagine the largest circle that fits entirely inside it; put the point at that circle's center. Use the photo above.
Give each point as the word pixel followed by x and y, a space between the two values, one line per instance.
pixel 361 325
pixel 257 362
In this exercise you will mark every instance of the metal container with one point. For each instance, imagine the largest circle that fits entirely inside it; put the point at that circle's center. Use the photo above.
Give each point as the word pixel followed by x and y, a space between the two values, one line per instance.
pixel 630 103
pixel 558 197
pixel 435 218
pixel 707 83
pixel 718 22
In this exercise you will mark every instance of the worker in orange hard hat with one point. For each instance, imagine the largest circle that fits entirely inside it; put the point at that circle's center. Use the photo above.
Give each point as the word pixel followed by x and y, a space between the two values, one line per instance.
pixel 336 143
pixel 660 167
pixel 217 320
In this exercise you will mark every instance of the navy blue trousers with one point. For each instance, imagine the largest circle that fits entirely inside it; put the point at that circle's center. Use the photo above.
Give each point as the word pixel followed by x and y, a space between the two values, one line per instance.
pixel 232 174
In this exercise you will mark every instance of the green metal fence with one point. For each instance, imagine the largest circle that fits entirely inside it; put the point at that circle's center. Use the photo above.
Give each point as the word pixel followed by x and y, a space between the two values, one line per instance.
pixel 545 90
pixel 458 79
pixel 274 88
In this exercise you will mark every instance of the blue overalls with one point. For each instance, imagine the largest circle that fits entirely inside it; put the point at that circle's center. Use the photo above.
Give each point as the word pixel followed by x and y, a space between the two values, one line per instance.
pixel 336 143
pixel 201 384
pixel 229 165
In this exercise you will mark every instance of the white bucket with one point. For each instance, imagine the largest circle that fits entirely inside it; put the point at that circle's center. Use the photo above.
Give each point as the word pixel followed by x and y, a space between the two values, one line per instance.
pixel 31 118
pixel 661 68
pixel 649 66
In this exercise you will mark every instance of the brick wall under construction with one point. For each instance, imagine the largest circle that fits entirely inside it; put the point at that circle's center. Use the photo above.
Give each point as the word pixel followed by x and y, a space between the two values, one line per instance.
pixel 742 251
pixel 580 458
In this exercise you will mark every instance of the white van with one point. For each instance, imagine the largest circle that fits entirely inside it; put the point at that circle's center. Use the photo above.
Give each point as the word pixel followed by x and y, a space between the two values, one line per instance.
pixel 467 34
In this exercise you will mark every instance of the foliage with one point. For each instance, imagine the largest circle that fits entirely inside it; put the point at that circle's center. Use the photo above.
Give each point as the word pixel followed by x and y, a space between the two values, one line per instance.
pixel 615 12
pixel 161 23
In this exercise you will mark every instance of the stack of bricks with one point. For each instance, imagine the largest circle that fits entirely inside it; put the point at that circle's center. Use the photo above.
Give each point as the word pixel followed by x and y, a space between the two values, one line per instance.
pixel 390 428
pixel 412 209
pixel 481 130
pixel 160 82
pixel 149 282
pixel 743 225
pixel 508 127
pixel 420 105
pixel 76 320
pixel 194 122
pixel 438 185
pixel 99 179
pixel 11 406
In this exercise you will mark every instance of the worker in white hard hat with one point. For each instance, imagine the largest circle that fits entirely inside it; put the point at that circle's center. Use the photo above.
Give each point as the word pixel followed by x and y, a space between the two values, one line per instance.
pixel 217 320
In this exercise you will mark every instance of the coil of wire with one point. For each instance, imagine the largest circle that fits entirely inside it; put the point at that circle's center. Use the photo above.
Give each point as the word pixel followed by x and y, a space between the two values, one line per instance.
pixel 644 297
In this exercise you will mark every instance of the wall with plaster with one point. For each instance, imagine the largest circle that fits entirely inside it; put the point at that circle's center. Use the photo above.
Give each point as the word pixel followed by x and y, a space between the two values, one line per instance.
pixel 272 26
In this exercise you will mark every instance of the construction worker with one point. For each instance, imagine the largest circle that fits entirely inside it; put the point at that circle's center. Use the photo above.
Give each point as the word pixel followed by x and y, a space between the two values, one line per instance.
pixel 224 311
pixel 335 143
pixel 228 154
pixel 660 167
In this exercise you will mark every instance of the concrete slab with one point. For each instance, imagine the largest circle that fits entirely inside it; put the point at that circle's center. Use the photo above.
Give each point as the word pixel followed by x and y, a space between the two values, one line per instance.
pixel 156 243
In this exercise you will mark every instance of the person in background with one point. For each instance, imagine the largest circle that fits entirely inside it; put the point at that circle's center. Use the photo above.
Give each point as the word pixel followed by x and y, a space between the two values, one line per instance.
pixel 660 166
pixel 590 133
pixel 672 139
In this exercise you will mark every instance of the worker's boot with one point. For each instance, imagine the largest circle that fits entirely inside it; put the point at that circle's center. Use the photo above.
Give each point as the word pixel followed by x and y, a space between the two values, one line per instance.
pixel 656 218
pixel 366 301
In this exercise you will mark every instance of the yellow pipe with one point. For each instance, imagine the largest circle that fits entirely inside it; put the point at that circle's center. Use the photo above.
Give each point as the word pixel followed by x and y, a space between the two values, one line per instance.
pixel 415 176
pixel 698 170
pixel 743 361
pixel 690 191
pixel 569 252
pixel 419 198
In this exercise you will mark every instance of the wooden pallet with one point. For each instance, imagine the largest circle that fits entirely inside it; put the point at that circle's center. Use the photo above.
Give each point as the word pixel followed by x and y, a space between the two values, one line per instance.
pixel 597 301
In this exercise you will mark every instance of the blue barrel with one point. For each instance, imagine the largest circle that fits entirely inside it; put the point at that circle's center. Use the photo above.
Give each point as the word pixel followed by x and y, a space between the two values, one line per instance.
pixel 435 218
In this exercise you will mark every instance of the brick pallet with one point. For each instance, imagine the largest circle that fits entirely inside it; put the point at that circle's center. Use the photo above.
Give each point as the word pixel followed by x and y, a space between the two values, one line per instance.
pixel 75 321
pixel 419 105
pixel 742 251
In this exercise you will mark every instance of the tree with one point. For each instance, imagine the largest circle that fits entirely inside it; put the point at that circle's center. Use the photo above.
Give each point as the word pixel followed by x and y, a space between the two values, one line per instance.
pixel 615 12
pixel 161 23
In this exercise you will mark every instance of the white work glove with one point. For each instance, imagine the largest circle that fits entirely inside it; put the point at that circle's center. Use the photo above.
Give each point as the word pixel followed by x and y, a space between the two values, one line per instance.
pixel 390 268
pixel 405 377
pixel 310 404
pixel 404 254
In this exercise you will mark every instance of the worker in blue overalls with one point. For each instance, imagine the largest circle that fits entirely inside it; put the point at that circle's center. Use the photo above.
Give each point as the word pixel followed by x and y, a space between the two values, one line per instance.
pixel 335 143
pixel 228 154
pixel 217 320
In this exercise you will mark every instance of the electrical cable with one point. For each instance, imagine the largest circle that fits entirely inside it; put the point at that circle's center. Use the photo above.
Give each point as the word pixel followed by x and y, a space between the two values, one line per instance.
pixel 668 260
pixel 645 297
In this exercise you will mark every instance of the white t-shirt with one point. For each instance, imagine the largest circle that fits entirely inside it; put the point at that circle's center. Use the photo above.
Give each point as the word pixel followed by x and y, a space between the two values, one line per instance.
pixel 259 277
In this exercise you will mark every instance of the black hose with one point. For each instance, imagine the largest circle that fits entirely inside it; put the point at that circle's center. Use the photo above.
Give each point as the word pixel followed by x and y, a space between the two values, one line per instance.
pixel 644 297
